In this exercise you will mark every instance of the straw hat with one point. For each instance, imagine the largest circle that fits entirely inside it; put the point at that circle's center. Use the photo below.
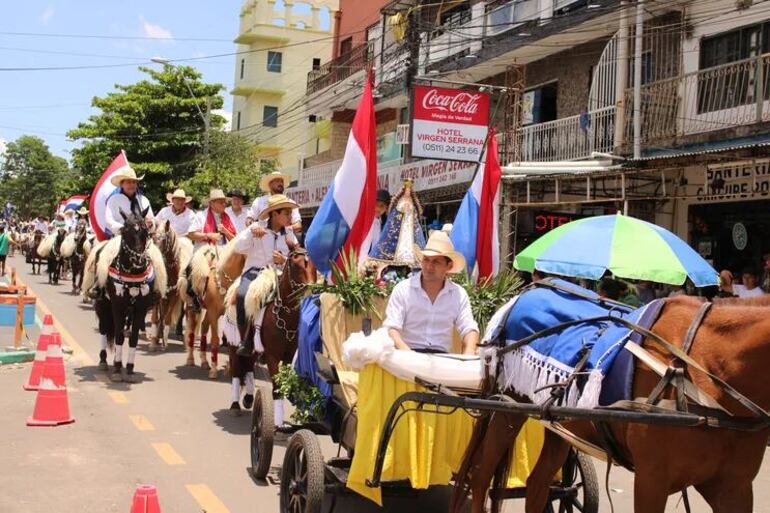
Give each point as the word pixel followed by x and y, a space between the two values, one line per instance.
pixel 216 194
pixel 264 182
pixel 125 173
pixel 277 202
pixel 69 212
pixel 179 193
pixel 82 211
pixel 439 244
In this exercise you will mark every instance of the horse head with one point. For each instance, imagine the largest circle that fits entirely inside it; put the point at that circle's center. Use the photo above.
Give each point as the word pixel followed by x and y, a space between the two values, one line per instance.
pixel 301 270
pixel 135 233
pixel 166 241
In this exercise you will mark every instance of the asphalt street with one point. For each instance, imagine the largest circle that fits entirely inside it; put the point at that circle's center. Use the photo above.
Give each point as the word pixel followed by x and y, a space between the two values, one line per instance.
pixel 172 429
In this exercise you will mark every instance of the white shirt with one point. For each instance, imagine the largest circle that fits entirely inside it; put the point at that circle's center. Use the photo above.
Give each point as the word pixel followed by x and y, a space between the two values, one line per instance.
pixel 261 203
pixel 238 220
pixel 742 291
pixel 199 223
pixel 41 226
pixel 180 223
pixel 70 223
pixel 426 325
pixel 119 202
pixel 259 250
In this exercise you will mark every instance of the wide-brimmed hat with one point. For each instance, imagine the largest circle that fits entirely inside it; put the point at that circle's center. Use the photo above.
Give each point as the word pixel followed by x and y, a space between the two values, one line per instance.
pixel 439 244
pixel 179 193
pixel 69 211
pixel 82 211
pixel 277 202
pixel 236 193
pixel 125 173
pixel 264 182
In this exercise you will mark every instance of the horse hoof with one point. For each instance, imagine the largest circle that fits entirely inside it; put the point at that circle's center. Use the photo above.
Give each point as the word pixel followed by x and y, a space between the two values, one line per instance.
pixel 130 378
pixel 153 347
pixel 103 366
pixel 116 377
pixel 190 361
pixel 205 365
pixel 213 373
pixel 235 409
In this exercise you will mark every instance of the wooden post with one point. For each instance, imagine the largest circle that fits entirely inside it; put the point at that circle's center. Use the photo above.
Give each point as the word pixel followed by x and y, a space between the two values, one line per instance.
pixel 13 276
pixel 19 317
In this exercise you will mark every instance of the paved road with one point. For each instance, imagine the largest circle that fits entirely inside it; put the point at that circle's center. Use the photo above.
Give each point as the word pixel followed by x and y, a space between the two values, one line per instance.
pixel 172 429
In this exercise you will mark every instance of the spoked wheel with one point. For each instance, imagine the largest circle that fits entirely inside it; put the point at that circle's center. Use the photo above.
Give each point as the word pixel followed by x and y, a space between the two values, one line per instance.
pixel 262 433
pixel 302 475
pixel 578 489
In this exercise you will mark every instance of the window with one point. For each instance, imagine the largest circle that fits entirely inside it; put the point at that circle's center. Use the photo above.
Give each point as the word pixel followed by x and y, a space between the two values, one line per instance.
pixel 238 121
pixel 270 116
pixel 274 60
pixel 346 45
pixel 540 104
pixel 312 118
pixel 316 63
pixel 243 65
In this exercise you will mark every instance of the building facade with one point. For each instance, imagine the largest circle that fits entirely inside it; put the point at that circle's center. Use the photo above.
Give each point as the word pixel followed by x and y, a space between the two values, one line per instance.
pixel 278 44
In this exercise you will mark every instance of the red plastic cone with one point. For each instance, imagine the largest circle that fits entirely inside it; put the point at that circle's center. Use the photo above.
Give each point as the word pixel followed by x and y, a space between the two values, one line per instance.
pixel 53 368
pixel 33 382
pixel 145 500
pixel 48 323
pixel 51 406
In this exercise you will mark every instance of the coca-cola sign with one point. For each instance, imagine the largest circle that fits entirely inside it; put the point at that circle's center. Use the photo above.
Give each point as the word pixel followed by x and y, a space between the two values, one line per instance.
pixel 449 124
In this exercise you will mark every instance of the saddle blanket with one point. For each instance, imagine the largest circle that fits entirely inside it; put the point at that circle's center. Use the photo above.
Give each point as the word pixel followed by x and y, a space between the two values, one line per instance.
pixel 551 359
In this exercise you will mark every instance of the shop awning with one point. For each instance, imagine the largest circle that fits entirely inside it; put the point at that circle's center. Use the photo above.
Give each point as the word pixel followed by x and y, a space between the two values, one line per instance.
pixel 706 147
pixel 527 170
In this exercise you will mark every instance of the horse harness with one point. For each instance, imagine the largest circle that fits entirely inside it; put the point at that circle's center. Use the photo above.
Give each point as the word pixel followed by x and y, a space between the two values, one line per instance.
pixel 278 302
pixel 126 280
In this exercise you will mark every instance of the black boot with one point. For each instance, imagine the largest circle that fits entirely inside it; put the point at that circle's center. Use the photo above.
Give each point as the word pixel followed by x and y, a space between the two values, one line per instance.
pixel 248 401
pixel 103 360
pixel 117 372
pixel 130 376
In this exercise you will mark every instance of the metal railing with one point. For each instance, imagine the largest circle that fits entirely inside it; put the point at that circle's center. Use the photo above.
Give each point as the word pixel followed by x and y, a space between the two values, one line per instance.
pixel 710 99
pixel 340 68
pixel 570 138
pixel 323 174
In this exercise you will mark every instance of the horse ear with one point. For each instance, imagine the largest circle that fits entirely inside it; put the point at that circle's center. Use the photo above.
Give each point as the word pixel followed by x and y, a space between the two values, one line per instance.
pixel 144 212
pixel 123 214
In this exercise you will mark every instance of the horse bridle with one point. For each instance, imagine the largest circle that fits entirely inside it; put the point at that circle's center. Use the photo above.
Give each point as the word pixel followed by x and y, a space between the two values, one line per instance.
pixel 278 302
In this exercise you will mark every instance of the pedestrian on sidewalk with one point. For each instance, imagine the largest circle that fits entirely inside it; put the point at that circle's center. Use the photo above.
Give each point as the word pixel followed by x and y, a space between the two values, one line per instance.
pixel 5 246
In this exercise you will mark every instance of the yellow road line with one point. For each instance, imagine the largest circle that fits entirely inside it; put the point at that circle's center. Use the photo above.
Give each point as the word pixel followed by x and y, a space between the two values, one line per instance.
pixel 206 499
pixel 76 348
pixel 118 397
pixel 168 454
pixel 141 423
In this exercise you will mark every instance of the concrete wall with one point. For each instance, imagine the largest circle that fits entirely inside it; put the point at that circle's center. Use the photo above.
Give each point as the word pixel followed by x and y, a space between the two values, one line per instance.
pixel 355 16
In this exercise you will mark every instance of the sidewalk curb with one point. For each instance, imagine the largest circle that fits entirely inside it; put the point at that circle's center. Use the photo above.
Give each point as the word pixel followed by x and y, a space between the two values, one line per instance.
pixel 16 357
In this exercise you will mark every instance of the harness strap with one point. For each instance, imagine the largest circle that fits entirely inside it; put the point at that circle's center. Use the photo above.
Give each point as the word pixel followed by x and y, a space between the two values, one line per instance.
pixel 610 444
pixel 694 325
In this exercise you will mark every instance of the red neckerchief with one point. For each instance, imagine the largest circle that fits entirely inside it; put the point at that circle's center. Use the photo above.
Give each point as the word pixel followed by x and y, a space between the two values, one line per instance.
pixel 211 223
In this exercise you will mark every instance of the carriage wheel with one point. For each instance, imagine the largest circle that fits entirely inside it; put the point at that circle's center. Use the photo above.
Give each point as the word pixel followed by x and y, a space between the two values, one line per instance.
pixel 578 489
pixel 302 475
pixel 261 434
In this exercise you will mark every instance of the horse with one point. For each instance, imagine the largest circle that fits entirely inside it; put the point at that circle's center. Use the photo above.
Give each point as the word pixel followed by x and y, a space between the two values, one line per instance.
pixel 55 259
pixel 207 277
pixel 177 252
pixel 33 256
pixel 132 276
pixel 75 249
pixel 732 343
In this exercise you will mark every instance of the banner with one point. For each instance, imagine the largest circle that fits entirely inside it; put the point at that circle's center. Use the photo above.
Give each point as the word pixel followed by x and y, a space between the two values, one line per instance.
pixel 449 124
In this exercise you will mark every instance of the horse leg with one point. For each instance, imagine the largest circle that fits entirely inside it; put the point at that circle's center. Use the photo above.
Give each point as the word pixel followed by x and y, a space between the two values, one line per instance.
pixel 117 374
pixel 728 495
pixel 155 327
pixel 190 336
pixel 650 489
pixel 214 324
pixel 551 459
pixel 273 364
pixel 204 340
pixel 139 313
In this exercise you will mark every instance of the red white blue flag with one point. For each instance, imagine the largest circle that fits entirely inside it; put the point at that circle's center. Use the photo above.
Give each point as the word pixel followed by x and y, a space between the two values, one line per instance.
pixel 346 213
pixel 97 213
pixel 475 230
pixel 74 202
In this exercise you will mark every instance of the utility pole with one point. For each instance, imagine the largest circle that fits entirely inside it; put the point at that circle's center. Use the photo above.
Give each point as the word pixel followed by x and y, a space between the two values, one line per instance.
pixel 413 43
pixel 639 43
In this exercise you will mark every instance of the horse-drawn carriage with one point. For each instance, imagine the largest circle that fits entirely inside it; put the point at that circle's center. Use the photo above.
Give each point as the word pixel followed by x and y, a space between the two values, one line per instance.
pixel 438 435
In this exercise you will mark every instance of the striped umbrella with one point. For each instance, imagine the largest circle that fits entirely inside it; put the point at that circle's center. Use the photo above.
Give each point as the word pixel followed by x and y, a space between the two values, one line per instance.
pixel 627 247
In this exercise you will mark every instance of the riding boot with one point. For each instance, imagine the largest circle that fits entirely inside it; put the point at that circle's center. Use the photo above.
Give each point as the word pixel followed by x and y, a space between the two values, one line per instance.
pixel 103 359
pixel 130 372
pixel 117 372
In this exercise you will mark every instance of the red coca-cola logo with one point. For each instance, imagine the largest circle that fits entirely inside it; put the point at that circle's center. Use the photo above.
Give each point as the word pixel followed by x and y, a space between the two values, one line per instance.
pixel 459 103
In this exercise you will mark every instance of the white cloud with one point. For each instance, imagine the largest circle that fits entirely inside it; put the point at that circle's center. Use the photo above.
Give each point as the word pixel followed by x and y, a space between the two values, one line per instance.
pixel 155 31
pixel 228 118
pixel 47 14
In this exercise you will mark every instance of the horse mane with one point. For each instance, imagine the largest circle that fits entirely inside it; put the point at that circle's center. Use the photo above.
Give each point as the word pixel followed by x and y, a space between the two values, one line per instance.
pixel 46 245
pixel 259 293
pixel 69 245
pixel 89 271
pixel 200 267
pixel 225 253
pixel 183 251
pixel 111 251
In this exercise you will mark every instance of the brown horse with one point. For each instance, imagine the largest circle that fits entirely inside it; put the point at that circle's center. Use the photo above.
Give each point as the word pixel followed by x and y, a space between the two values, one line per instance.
pixel 732 343
pixel 177 252
pixel 32 255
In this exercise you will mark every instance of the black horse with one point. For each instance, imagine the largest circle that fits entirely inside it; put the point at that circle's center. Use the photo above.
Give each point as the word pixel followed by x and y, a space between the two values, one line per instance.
pixel 55 259
pixel 128 295
pixel 33 257
pixel 78 258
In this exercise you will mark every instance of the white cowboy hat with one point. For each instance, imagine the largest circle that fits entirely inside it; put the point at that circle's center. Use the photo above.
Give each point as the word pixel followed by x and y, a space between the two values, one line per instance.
pixel 264 182
pixel 179 193
pixel 69 211
pixel 82 211
pixel 439 244
pixel 216 194
pixel 277 202
pixel 125 173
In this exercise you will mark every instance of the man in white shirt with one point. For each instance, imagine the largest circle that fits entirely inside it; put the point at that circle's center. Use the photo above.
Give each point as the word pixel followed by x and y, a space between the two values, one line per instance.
pixel 127 200
pixel 178 214
pixel 41 225
pixel 239 215
pixel 750 286
pixel 213 225
pixel 69 220
pixel 274 183
pixel 424 310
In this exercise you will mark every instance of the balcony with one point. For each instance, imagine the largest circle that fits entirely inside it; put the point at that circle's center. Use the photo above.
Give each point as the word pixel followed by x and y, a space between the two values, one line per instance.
pixel 723 97
pixel 572 138
pixel 340 68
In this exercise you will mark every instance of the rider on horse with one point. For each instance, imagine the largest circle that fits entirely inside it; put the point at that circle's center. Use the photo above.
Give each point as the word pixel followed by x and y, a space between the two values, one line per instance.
pixel 274 183
pixel 213 225
pixel 128 199
pixel 180 217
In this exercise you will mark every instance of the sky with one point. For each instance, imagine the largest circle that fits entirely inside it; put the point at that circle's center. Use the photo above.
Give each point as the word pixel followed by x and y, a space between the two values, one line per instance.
pixel 48 103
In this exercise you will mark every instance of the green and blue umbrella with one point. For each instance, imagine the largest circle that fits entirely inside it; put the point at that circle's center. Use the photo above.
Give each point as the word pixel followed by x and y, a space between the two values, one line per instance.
pixel 625 246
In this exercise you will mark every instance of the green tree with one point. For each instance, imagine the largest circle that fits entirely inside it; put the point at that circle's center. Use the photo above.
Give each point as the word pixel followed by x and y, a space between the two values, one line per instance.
pixel 34 179
pixel 157 121
pixel 232 163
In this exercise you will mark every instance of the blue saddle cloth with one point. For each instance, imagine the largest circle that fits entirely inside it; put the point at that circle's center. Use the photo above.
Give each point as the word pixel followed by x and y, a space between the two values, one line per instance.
pixel 309 342
pixel 551 359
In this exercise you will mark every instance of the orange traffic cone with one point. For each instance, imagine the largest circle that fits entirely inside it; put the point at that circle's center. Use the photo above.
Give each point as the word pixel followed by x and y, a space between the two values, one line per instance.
pixel 145 500
pixel 33 382
pixel 53 368
pixel 51 406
